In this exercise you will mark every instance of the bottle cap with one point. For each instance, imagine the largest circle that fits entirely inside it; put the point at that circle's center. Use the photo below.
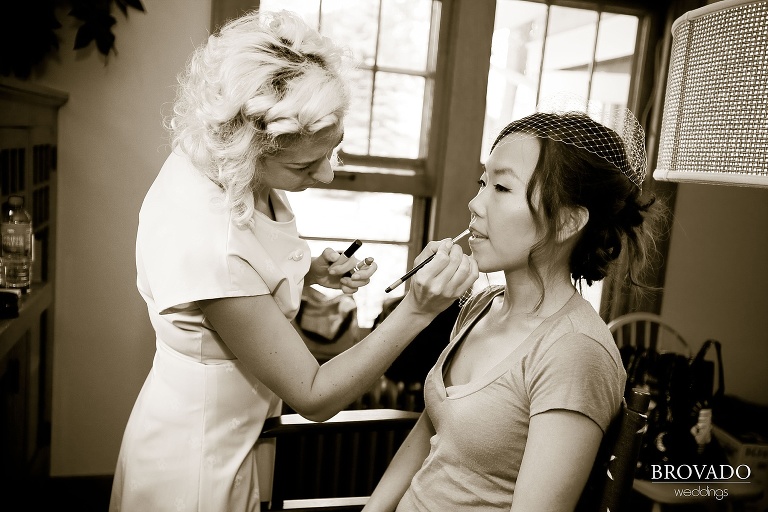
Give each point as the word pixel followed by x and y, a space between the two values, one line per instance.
pixel 16 201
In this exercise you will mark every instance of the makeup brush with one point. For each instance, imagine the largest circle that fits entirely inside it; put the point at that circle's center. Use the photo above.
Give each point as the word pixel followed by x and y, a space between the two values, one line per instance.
pixel 417 267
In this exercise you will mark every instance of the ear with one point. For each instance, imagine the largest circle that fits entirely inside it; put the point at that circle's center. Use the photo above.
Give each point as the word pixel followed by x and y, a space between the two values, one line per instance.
pixel 572 221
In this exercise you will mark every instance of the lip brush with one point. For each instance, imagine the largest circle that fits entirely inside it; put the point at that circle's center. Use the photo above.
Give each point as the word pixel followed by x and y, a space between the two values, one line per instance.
pixel 418 267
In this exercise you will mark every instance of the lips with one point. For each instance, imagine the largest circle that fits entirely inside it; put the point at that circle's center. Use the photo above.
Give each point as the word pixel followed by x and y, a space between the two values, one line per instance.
pixel 476 236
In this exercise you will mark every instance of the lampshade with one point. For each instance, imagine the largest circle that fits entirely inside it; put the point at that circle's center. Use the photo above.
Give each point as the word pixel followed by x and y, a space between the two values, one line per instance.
pixel 715 121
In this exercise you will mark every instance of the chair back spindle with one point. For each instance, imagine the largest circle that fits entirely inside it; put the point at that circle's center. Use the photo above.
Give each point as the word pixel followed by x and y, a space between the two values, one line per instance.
pixel 610 482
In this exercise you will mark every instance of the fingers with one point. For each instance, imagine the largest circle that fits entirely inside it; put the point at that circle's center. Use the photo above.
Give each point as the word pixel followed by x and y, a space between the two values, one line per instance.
pixel 331 256
pixel 360 269
pixel 466 275
pixel 449 274
pixel 338 264
pixel 360 274
pixel 360 277
pixel 429 250
pixel 458 275
pixel 447 258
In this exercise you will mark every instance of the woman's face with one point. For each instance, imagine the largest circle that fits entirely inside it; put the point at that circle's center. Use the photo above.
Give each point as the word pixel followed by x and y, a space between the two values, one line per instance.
pixel 304 163
pixel 503 227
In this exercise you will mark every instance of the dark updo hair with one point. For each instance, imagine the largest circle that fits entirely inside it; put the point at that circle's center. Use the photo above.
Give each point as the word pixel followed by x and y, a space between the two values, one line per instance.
pixel 620 221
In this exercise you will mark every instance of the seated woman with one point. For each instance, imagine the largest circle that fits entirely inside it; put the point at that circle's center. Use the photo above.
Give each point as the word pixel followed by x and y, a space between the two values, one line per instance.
pixel 518 402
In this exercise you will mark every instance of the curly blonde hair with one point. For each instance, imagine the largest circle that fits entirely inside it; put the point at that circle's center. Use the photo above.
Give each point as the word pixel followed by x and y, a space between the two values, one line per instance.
pixel 263 81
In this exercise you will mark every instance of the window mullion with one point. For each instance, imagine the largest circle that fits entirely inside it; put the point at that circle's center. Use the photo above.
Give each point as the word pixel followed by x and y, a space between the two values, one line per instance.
pixel 374 71
pixel 543 53
pixel 418 185
pixel 591 67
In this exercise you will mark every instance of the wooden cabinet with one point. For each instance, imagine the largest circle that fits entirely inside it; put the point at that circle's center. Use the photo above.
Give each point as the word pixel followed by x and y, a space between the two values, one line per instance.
pixel 28 137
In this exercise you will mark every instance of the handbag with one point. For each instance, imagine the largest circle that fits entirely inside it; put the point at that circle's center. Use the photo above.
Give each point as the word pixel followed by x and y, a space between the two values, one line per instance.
pixel 682 398
pixel 327 324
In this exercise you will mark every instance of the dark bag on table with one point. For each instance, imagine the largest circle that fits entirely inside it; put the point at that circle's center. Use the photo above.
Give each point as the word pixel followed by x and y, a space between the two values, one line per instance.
pixel 683 394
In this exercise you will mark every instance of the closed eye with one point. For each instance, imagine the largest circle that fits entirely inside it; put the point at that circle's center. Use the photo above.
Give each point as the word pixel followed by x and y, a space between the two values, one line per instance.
pixel 481 183
pixel 500 188
pixel 303 167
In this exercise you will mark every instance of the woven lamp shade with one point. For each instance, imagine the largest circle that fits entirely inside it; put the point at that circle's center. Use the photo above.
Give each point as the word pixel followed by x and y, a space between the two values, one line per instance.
pixel 715 121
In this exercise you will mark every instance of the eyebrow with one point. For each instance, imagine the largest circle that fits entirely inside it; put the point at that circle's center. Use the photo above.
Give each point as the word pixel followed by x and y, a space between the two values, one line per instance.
pixel 504 171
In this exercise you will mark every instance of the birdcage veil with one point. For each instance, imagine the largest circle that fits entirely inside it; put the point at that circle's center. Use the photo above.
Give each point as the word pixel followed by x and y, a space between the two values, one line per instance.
pixel 581 123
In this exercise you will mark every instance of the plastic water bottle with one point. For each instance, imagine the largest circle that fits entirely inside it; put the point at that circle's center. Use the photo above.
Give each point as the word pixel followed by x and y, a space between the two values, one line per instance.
pixel 16 232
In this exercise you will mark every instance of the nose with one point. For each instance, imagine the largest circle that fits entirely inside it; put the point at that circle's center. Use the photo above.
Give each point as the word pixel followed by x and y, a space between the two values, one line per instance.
pixel 324 172
pixel 475 205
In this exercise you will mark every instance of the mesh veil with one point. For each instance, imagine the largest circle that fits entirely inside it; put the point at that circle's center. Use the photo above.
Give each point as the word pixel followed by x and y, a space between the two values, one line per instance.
pixel 613 134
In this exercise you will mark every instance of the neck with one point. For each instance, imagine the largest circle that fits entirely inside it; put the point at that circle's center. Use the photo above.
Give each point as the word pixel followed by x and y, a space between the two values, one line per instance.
pixel 261 201
pixel 523 294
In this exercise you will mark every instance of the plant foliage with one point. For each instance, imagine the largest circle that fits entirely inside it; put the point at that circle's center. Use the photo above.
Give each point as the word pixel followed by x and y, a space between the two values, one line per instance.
pixel 28 29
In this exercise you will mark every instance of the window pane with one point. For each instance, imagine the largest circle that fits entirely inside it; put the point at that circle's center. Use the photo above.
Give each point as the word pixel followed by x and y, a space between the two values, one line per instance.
pixel 404 39
pixel 398 101
pixel 568 51
pixel 386 113
pixel 613 59
pixel 357 121
pixel 340 214
pixel 356 31
pixel 309 11
pixel 513 79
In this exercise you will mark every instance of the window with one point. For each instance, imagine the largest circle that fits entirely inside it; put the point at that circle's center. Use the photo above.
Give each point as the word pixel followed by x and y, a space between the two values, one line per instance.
pixel 416 133
pixel 380 190
pixel 540 50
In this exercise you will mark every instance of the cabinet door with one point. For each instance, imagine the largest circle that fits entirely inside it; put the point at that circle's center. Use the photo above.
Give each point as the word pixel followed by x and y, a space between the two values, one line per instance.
pixel 15 436
pixel 13 162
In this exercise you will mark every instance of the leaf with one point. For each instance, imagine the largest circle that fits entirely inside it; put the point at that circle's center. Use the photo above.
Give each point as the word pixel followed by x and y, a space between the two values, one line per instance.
pixel 124 4
pixel 105 40
pixel 123 8
pixel 97 26
pixel 28 27
pixel 85 34
pixel 136 4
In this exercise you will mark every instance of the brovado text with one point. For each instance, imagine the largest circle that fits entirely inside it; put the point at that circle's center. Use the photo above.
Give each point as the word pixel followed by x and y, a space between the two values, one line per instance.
pixel 700 472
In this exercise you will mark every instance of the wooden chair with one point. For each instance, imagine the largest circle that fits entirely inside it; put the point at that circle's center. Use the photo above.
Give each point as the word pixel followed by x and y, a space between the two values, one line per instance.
pixel 610 482
pixel 334 465
pixel 649 331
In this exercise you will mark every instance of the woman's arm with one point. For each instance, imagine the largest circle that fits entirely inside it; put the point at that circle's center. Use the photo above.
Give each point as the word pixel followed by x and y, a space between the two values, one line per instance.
pixel 260 336
pixel 558 458
pixel 407 461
